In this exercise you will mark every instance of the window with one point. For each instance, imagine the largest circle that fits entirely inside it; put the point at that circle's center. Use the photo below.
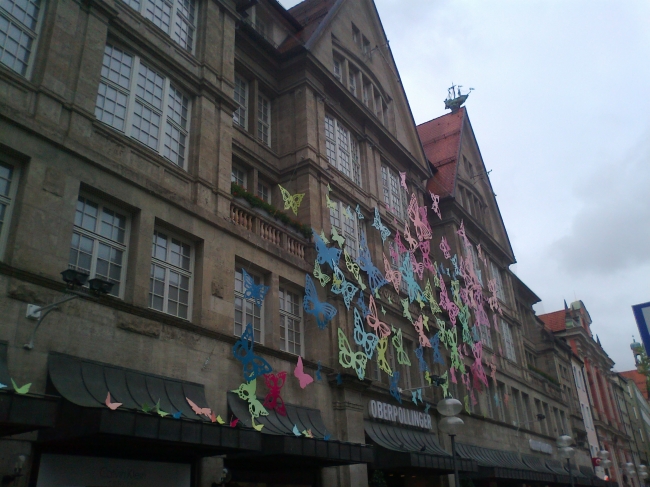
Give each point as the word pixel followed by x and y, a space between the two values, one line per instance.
pixel 238 176
pixel 366 46
pixel 176 18
pixel 531 359
pixel 395 196
pixel 171 275
pixel 352 81
pixel 347 227
pixel 98 245
pixel 496 275
pixel 486 336
pixel 366 95
pixel 264 119
pixel 246 311
pixel 143 105
pixel 476 263
pixel 241 98
pixel 19 27
pixel 337 69
pixel 342 149
pixel 379 109
pixel 508 341
pixel 8 187
pixel 356 35
pixel 263 192
pixel 290 322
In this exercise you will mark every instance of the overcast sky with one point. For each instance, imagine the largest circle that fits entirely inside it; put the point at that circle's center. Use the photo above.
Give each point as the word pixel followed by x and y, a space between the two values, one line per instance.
pixel 561 111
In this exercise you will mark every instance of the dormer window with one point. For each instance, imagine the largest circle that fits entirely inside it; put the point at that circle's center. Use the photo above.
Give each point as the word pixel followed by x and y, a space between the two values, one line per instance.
pixel 337 69
pixel 352 81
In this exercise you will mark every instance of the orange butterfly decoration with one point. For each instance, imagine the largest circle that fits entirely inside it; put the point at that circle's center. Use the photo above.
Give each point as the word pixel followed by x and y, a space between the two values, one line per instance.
pixel 381 329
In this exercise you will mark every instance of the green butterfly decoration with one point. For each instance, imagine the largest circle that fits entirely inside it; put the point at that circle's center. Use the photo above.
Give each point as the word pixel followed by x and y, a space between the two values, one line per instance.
pixel 291 202
pixel 146 408
pixel 320 275
pixel 246 391
pixel 444 384
pixel 425 321
pixel 382 347
pixel 160 412
pixel 349 359
pixel 323 237
pixel 402 356
pixel 330 204
pixel 383 310
pixel 337 238
pixel 428 294
pixel 352 266
pixel 467 409
pixel 22 389
pixel 406 313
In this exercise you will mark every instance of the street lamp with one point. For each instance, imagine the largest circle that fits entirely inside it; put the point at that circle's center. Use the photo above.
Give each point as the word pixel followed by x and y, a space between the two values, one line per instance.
pixel 643 472
pixel 452 425
pixel 566 451
pixel 605 462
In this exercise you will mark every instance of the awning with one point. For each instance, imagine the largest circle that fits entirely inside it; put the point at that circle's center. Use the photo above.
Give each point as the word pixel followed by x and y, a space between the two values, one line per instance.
pixel 84 418
pixel 537 464
pixel 20 413
pixel 401 448
pixel 280 442
pixel 559 467
pixel 500 464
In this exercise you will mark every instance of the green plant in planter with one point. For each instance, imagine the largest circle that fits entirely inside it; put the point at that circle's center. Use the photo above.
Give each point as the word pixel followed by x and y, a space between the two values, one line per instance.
pixel 256 202
pixel 378 479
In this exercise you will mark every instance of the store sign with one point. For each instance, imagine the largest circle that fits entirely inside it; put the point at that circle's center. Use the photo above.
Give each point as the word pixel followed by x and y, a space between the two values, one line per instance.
pixel 400 415
pixel 57 470
pixel 541 446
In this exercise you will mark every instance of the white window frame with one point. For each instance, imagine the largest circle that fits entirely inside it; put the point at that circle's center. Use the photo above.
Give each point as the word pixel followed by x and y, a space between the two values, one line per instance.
pixel 249 305
pixel 31 33
pixel 241 95
pixel 394 194
pixel 508 341
pixel 169 267
pixel 396 265
pixel 9 201
pixel 496 275
pixel 341 144
pixel 264 119
pixel 178 12
pixel 284 314
pixel 477 264
pixel 379 112
pixel 352 80
pixel 98 239
pixel 338 69
pixel 167 115
pixel 263 191
pixel 366 94
pixel 486 336
pixel 349 228
pixel 235 178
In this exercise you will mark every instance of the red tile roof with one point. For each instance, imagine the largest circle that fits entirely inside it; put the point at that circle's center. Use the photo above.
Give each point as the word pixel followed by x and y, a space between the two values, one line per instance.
pixel 440 139
pixel 554 321
pixel 310 13
pixel 639 379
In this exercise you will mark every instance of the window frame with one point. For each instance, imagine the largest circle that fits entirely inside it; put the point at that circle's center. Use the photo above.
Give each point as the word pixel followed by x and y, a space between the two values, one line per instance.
pixel 10 201
pixel 508 341
pixel 486 335
pixel 33 34
pixel 165 113
pixel 241 121
pixel 334 147
pixel 343 218
pixel 496 275
pixel 393 190
pixel 254 307
pixel 261 124
pixel 97 238
pixel 352 80
pixel 262 188
pixel 236 167
pixel 337 68
pixel 283 289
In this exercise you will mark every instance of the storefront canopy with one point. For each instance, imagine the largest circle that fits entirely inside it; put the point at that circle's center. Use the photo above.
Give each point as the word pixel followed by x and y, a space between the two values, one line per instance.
pixel 279 442
pixel 402 448
pixel 85 418
pixel 20 413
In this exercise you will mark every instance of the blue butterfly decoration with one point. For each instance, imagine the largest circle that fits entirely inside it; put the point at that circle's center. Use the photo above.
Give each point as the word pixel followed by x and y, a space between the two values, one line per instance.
pixel 343 287
pixel 394 389
pixel 296 431
pixel 435 346
pixel 368 341
pixel 375 277
pixel 426 408
pixel 256 292
pixel 496 398
pixel 318 376
pixel 362 305
pixel 419 391
pixel 419 353
pixel 339 379
pixel 383 230
pixel 254 365
pixel 454 261
pixel 414 397
pixel 177 415
pixel 359 214
pixel 327 436
pixel 443 270
pixel 413 287
pixel 326 255
pixel 322 311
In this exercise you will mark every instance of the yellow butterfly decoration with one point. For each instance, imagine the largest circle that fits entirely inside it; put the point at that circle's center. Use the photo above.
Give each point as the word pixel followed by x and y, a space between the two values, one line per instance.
pixel 419 301
pixel 444 385
pixel 377 293
pixel 383 310
pixel 246 391
pixel 337 238
pixel 291 202
pixel 349 359
pixel 348 213
pixel 402 357
pixel 428 294
pixel 425 321
pixel 382 347
pixel 352 266
pixel 336 281
pixel 361 284
pixel 320 275
pixel 258 427
pixel 390 300
pixel 427 376
pixel 220 421
pixel 323 237
pixel 436 281
pixel 406 313
pixel 330 203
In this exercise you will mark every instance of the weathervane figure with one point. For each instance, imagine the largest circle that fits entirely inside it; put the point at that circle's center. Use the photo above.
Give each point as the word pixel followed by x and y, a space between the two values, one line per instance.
pixel 454 97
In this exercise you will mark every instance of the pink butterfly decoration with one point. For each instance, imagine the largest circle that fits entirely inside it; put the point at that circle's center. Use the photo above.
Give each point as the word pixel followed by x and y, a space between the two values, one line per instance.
pixel 393 276
pixel 402 176
pixel 413 244
pixel 422 228
pixel 452 373
pixel 299 372
pixel 234 422
pixel 444 246
pixel 381 329
pixel 398 241
pixel 478 372
pixel 112 405
pixel 436 202
pixel 461 234
pixel 418 267
pixel 273 400
pixel 448 305
pixel 425 248
pixel 419 328
pixel 472 396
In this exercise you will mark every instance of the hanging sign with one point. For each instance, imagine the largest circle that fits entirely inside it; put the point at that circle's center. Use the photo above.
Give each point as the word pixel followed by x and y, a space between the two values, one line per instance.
pixel 541 446
pixel 400 415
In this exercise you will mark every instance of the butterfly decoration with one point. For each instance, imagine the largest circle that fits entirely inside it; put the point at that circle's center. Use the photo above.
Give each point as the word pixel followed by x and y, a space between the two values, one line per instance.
pixel 337 238
pixel 330 204
pixel 426 408
pixel 428 294
pixel 291 202
pixel 362 305
pixel 419 391
pixel 197 410
pixel 393 276
pixel 444 384
pixel 177 415
pixel 401 249
pixel 425 250
pixel 327 436
pixel 257 427
pixel 326 255
pixel 398 343
pixel 318 373
pixel 422 228
pixel 467 406
pixel 394 389
pixel 419 353
pixel 111 405
pixel 300 374
pixel 146 408
pixel 22 389
pixel 273 400
pixel 322 311
pixel 233 422
pixel 368 341
pixel 359 214
pixel 381 328
pixel 349 359
pixel 435 206
pixel 246 391
pixel 478 372
pixel 435 345
pixel 412 242
pixel 253 365
pixel 419 328
pixel 390 300
pixel 462 235
pixel 352 266
pixel 3 386
pixel 296 431
pixel 323 237
pixel 454 261
pixel 307 434
pixel 383 311
pixel 414 397
pixel 256 292
pixel 418 267
pixel 160 412
pixel 446 249
pixel 382 348
pixel 413 288
pixel 375 279
pixel 383 230
pixel 343 287
pixel 348 213
pixel 320 275
pixel 402 182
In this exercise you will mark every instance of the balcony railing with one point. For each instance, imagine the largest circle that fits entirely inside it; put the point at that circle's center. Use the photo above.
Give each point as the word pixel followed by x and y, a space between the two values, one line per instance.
pixel 276 234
